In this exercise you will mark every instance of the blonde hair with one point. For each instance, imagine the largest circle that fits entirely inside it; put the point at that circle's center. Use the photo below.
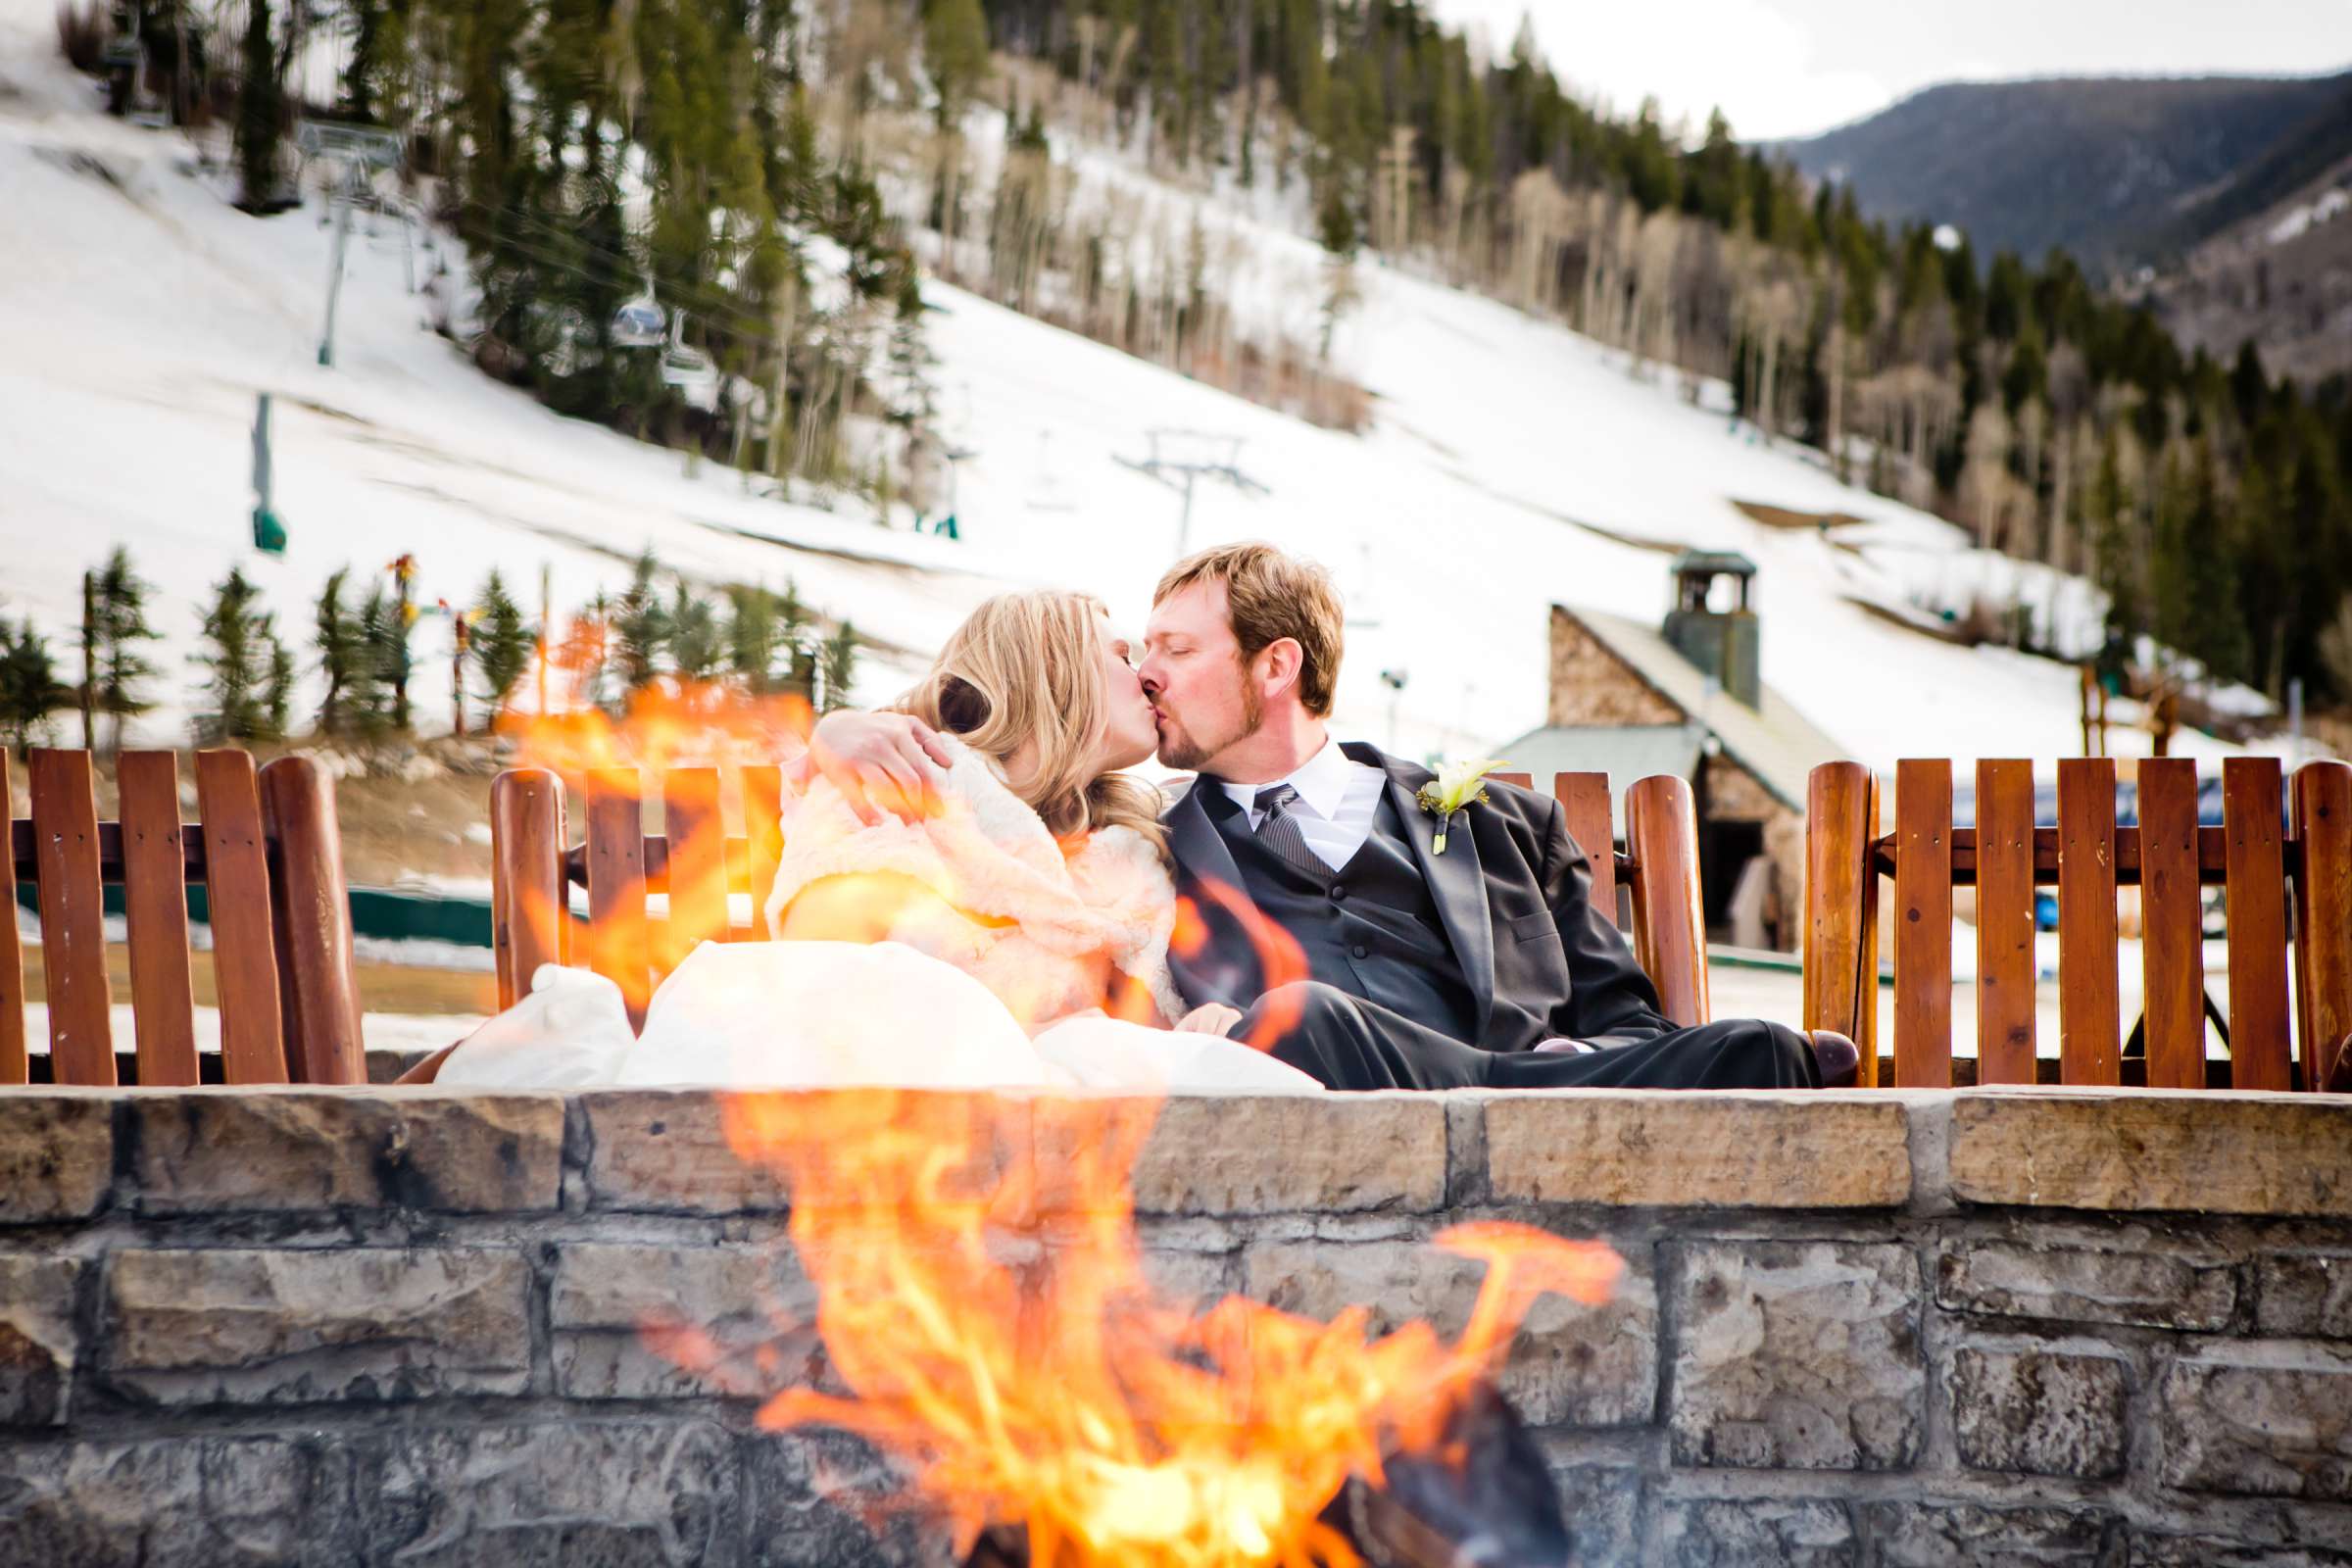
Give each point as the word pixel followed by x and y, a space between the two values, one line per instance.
pixel 1270 595
pixel 1024 667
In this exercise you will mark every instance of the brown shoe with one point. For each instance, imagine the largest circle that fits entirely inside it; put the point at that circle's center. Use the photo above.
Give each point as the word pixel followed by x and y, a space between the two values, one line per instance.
pixel 1837 1058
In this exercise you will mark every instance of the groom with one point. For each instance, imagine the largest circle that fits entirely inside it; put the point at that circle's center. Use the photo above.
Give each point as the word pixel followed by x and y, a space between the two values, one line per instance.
pixel 1391 966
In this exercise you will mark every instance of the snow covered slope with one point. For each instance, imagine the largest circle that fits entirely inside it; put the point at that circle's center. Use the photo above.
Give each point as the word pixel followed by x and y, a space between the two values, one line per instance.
pixel 1510 464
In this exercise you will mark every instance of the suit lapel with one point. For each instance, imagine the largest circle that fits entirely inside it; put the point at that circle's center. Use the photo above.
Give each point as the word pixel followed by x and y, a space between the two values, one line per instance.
pixel 1199 848
pixel 1457 884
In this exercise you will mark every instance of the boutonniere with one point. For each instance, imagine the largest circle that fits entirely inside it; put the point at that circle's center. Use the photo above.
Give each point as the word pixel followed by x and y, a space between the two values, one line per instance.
pixel 1457 787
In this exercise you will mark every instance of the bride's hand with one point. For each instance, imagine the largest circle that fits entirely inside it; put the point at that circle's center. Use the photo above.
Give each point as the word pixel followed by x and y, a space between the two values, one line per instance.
pixel 1209 1018
pixel 882 764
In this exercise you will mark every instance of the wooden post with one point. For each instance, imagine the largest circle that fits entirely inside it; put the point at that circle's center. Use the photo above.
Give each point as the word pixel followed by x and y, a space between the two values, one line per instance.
pixel 2007 975
pixel 2090 1047
pixel 313 920
pixel 1584 803
pixel 1923 931
pixel 65 820
pixel 2172 925
pixel 1670 927
pixel 15 1063
pixel 530 905
pixel 155 908
pixel 616 884
pixel 236 878
pixel 2252 803
pixel 2322 827
pixel 1841 901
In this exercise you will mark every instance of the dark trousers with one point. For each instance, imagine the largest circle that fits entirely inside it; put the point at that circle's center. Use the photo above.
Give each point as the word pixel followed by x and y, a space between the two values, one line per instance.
pixel 1347 1043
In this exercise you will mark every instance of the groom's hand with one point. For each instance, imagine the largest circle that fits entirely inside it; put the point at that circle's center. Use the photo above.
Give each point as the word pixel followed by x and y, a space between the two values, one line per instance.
pixel 884 764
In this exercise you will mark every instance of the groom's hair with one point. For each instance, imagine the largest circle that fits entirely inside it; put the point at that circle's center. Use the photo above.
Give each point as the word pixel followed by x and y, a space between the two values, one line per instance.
pixel 1270 595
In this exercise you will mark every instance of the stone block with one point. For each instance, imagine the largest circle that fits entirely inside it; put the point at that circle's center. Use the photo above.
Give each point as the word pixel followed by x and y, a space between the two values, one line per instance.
pixel 1755 1533
pixel 1659 1148
pixel 2040 1412
pixel 2267 1421
pixel 2219 1551
pixel 1245 1155
pixel 1801 1356
pixel 57 1154
pixel 1569 1365
pixel 1603 1505
pixel 667 1149
pixel 203 1151
pixel 611 1306
pixel 38 1339
pixel 823 1499
pixel 2153 1150
pixel 2088 1285
pixel 1931 1534
pixel 2304 1296
pixel 341 1323
pixel 181 1502
pixel 637 1493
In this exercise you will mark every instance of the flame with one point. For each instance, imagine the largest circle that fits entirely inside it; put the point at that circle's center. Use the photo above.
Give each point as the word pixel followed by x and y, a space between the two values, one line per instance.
pixel 668 731
pixel 980 1292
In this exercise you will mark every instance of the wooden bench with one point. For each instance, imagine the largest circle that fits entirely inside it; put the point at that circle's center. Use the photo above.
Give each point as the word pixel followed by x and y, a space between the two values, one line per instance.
pixel 694 864
pixel 2276 875
pixel 269 856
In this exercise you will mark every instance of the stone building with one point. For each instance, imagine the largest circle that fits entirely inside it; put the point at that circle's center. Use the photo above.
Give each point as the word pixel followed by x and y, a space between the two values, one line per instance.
pixel 1688 697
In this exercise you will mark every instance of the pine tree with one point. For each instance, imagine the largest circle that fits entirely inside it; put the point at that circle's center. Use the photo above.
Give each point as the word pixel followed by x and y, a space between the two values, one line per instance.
pixel 121 616
pixel 753 640
pixel 503 643
pixel 29 690
pixel 250 673
pixel 695 649
pixel 278 696
pixel 260 113
pixel 340 637
pixel 383 646
pixel 640 628
pixel 840 667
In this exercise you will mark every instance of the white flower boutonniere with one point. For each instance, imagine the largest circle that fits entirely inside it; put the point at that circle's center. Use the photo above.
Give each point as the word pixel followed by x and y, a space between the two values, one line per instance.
pixel 1457 787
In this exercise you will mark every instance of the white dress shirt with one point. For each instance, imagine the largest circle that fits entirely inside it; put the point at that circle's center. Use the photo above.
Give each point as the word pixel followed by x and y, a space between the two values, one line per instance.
pixel 1338 799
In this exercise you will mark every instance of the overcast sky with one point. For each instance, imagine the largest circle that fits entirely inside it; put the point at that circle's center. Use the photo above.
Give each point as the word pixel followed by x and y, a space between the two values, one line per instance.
pixel 1789 67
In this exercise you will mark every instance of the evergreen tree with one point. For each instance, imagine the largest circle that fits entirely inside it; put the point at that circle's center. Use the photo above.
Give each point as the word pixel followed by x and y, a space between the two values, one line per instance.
pixel 250 673
pixel 839 669
pixel 121 617
pixel 754 638
pixel 640 629
pixel 29 690
pixel 377 704
pixel 697 648
pixel 278 695
pixel 503 643
pixel 339 636
pixel 260 124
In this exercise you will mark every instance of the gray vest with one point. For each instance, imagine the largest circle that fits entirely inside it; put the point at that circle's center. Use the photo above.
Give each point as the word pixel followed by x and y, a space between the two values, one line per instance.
pixel 1370 928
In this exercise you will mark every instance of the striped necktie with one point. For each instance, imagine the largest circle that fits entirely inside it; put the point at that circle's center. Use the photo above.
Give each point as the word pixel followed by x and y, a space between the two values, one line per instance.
pixel 1279 831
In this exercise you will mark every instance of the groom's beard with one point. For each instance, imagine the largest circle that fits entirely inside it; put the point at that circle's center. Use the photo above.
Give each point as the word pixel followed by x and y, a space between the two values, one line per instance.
pixel 1183 753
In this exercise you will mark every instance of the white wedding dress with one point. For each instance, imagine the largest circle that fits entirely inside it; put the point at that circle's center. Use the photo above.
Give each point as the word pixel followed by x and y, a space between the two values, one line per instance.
pixel 1003 993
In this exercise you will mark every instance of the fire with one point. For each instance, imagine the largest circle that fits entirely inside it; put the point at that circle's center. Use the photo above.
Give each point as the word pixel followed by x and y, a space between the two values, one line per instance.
pixel 980 1292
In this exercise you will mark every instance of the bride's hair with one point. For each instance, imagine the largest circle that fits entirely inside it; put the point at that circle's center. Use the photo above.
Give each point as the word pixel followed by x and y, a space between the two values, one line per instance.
pixel 1025 666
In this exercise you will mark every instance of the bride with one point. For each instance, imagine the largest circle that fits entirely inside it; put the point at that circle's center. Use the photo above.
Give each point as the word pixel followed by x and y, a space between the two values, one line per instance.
pixel 1014 935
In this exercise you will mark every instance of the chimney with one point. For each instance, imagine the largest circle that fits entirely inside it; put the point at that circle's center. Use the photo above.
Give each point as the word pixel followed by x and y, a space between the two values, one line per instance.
pixel 1713 627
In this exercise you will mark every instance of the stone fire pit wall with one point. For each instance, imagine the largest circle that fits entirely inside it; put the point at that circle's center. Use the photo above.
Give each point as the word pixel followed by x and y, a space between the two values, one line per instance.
pixel 399 1326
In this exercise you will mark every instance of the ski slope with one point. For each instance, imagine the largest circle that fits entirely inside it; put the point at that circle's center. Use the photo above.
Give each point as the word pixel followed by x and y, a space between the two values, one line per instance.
pixel 1510 464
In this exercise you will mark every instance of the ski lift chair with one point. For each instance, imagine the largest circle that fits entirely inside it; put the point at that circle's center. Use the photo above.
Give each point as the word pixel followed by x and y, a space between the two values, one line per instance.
pixel 639 325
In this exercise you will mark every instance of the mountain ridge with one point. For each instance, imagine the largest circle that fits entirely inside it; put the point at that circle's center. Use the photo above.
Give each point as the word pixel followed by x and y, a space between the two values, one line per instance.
pixel 2146 166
